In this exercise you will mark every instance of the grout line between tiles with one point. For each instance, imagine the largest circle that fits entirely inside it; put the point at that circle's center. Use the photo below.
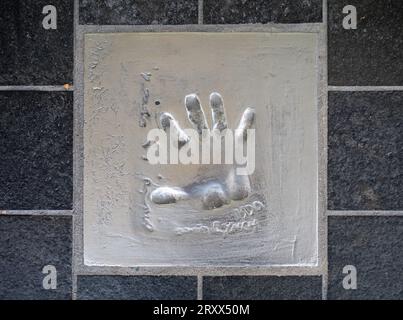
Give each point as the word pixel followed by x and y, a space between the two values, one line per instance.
pixel 363 213
pixel 36 88
pixel 365 88
pixel 200 12
pixel 269 27
pixel 324 248
pixel 56 213
pixel 199 287
pixel 305 270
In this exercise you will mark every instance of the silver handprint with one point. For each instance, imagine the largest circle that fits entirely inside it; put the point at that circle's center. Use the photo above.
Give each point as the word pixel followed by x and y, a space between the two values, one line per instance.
pixel 212 191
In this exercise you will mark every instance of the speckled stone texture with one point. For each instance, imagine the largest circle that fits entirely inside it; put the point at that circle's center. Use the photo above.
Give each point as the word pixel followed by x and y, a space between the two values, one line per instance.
pixel 29 54
pixel 262 288
pixel 365 150
pixel 374 245
pixel 36 139
pixel 261 11
pixel 373 53
pixel 27 244
pixel 138 12
pixel 236 11
pixel 136 288
pixel 297 11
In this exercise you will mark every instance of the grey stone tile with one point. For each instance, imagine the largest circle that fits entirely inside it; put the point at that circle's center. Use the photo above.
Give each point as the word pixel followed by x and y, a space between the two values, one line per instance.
pixel 297 11
pixel 27 244
pixel 138 12
pixel 36 138
pixel 371 54
pixel 262 288
pixel 261 11
pixel 137 287
pixel 236 11
pixel 374 246
pixel 30 54
pixel 365 150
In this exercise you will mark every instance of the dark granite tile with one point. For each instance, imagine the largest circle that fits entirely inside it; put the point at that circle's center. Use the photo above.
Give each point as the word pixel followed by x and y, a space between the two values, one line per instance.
pixel 262 288
pixel 236 11
pixel 29 54
pixel 36 138
pixel 138 12
pixel 261 11
pixel 136 287
pixel 365 151
pixel 27 244
pixel 374 246
pixel 297 11
pixel 371 54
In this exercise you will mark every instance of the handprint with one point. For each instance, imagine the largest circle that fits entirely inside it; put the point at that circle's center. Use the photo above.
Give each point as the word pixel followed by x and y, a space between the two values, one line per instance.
pixel 211 190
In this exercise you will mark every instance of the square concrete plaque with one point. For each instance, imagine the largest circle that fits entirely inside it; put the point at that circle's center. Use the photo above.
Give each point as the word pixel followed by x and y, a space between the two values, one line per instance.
pixel 137 213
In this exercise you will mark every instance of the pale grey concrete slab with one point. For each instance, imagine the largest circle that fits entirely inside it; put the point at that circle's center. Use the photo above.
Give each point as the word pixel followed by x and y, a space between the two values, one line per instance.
pixel 169 81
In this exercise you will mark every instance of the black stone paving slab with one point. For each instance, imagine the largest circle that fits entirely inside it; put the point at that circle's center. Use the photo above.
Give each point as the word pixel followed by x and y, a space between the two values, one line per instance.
pixel 365 150
pixel 262 288
pixel 30 54
pixel 372 54
pixel 36 148
pixel 374 246
pixel 27 245
pixel 137 287
pixel 138 12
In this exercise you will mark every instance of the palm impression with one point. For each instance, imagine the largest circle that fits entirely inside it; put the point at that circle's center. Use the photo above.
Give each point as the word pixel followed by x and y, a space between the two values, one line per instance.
pixel 216 185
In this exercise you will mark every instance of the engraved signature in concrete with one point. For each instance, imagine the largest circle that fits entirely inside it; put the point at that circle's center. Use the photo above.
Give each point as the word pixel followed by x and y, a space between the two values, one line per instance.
pixel 147 183
pixel 145 93
pixel 245 221
pixel 247 210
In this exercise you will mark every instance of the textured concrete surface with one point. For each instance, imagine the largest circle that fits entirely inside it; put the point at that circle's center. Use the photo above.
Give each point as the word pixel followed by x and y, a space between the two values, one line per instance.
pixel 29 54
pixel 373 53
pixel 283 228
pixel 27 244
pixel 374 245
pixel 261 11
pixel 138 12
pixel 262 288
pixel 365 152
pixel 36 138
pixel 136 288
